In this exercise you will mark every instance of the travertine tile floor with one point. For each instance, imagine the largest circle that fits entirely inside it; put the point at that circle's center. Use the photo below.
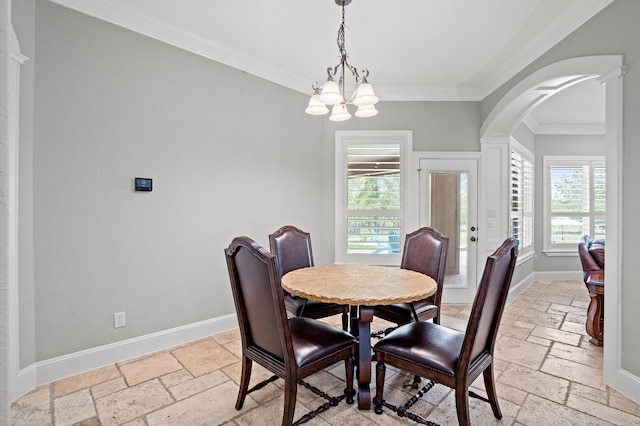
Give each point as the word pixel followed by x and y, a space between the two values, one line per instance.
pixel 547 373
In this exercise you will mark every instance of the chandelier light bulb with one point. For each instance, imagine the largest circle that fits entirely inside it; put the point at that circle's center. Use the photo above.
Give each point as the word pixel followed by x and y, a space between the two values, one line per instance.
pixel 316 107
pixel 365 95
pixel 366 111
pixel 340 113
pixel 330 94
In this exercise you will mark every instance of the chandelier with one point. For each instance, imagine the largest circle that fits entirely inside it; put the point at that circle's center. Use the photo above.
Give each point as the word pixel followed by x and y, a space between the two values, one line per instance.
pixel 332 92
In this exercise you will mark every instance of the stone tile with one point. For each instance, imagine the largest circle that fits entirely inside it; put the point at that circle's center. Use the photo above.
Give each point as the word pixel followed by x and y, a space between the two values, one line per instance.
pixel 535 382
pixel 258 374
pixel 93 421
pixel 574 372
pixel 621 402
pixel 175 378
pixel 520 352
pixel 131 403
pixel 542 318
pixel 227 336
pixel 234 347
pixel 601 411
pixel 85 380
pixel 577 354
pixel 204 356
pixel 107 388
pixel 539 341
pixel 73 408
pixel 574 327
pixel 566 309
pixel 148 368
pixel 33 408
pixel 556 335
pixel 599 396
pixel 199 384
pixel 514 331
pixel 539 411
pixel 216 403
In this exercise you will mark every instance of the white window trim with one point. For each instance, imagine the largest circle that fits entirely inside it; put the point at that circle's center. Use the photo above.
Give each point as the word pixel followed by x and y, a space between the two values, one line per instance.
pixel 548 161
pixel 344 138
pixel 529 250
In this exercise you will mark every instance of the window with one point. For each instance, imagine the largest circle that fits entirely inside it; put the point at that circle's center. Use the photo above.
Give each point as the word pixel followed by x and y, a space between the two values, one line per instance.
pixel 370 183
pixel 521 215
pixel 575 201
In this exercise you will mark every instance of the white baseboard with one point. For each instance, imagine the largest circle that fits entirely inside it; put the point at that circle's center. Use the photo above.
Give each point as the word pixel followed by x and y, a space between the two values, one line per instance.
pixel 50 370
pixel 520 286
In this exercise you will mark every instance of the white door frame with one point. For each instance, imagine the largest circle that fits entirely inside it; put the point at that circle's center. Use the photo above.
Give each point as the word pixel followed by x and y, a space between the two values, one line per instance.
pixel 415 207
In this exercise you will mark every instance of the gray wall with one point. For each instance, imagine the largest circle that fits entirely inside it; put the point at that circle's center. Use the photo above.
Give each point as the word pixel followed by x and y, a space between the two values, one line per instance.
pixel 615 30
pixel 230 154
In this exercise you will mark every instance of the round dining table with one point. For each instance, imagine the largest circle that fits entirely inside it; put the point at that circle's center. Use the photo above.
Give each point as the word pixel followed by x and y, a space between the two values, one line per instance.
pixel 361 286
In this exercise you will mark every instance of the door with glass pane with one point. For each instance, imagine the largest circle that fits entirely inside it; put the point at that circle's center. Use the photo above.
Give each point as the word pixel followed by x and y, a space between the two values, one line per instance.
pixel 448 203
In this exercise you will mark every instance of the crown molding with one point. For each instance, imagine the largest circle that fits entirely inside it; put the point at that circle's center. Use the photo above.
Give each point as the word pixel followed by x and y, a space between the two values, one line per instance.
pixel 565 23
pixel 562 129
pixel 124 17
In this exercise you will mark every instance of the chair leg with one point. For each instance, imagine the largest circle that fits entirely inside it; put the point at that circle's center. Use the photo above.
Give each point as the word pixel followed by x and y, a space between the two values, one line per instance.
pixel 349 365
pixel 462 405
pixel 378 400
pixel 490 386
pixel 345 320
pixel 244 381
pixel 290 390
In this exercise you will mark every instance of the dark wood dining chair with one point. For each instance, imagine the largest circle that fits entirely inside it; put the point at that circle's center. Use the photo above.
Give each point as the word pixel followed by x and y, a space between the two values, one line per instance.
pixel 292 348
pixel 292 248
pixel 425 251
pixel 451 357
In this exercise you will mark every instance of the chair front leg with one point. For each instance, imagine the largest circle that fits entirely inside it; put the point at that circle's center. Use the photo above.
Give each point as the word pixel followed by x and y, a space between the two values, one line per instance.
pixel 244 381
pixel 349 365
pixel 290 391
pixel 462 405
pixel 380 373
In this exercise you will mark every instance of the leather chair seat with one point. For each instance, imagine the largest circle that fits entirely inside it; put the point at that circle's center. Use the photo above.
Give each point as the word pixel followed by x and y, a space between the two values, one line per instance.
pixel 310 308
pixel 314 340
pixel 414 342
pixel 403 310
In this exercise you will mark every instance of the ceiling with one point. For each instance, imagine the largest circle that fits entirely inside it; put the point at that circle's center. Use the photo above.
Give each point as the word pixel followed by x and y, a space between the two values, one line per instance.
pixel 415 50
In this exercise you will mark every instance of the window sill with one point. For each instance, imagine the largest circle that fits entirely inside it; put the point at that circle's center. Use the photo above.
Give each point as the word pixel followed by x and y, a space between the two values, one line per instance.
pixel 561 253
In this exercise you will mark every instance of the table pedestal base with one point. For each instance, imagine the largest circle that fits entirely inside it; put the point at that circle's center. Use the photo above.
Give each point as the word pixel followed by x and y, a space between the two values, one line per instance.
pixel 361 328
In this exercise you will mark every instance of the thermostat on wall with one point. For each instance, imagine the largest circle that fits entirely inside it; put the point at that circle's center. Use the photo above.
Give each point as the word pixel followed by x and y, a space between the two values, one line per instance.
pixel 144 184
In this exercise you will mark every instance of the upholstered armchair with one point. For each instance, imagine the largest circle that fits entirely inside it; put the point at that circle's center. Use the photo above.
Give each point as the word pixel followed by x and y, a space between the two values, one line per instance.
pixel 592 258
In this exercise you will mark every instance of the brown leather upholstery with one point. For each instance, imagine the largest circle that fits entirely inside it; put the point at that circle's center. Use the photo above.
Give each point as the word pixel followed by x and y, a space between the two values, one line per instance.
pixel 454 358
pixel 290 348
pixel 591 256
pixel 292 248
pixel 425 251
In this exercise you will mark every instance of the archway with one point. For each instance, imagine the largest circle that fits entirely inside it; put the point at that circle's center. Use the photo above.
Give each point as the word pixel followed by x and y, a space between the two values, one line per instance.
pixel 527 95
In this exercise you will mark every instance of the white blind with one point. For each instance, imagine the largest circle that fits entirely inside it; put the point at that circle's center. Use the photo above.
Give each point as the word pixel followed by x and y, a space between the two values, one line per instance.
pixel 522 201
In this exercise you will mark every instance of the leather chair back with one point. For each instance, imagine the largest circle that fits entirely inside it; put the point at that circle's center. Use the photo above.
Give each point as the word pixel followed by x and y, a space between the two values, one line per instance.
pixel 425 251
pixel 258 298
pixel 292 248
pixel 489 302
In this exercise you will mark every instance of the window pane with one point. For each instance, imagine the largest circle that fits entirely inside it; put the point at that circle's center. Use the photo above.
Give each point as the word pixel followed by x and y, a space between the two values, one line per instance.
pixel 565 229
pixel 569 190
pixel 373 199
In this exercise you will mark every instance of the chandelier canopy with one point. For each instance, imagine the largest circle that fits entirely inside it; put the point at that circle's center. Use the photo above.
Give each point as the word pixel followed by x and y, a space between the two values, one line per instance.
pixel 332 92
